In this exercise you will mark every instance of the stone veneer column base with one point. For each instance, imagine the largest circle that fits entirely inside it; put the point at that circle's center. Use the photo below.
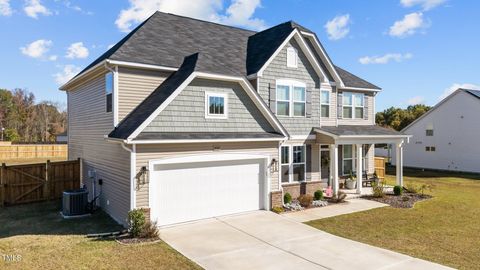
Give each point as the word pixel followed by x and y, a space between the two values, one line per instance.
pixel 297 189
pixel 146 213
pixel 276 199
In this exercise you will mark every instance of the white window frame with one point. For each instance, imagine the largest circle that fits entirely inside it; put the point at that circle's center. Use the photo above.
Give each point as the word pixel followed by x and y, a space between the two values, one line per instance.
pixel 291 163
pixel 323 103
pixel 291 84
pixel 352 158
pixel 208 115
pixel 111 93
pixel 290 51
pixel 353 106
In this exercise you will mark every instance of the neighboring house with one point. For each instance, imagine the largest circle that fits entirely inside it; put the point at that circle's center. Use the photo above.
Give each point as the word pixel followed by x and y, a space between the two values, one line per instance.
pixel 191 119
pixel 446 137
pixel 62 137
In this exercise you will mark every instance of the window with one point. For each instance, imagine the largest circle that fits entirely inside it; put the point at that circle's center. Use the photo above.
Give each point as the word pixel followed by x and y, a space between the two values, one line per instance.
pixel 108 91
pixel 429 130
pixel 216 105
pixel 325 103
pixel 291 98
pixel 430 148
pixel 347 159
pixel 292 59
pixel 292 162
pixel 353 105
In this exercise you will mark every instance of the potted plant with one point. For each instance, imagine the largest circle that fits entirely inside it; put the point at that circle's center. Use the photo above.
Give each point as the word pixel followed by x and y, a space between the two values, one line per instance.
pixel 351 182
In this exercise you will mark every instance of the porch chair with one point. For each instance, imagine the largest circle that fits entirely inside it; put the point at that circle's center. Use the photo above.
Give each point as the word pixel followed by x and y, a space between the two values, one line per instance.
pixel 368 181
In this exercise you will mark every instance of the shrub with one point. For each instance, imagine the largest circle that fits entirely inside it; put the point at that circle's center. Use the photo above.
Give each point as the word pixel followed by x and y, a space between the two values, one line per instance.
pixel 339 198
pixel 136 222
pixel 287 198
pixel 149 230
pixel 305 200
pixel 378 189
pixel 412 188
pixel 277 209
pixel 397 190
pixel 318 195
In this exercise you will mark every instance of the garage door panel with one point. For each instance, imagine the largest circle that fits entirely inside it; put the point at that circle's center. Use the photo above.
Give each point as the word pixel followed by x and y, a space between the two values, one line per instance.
pixel 184 192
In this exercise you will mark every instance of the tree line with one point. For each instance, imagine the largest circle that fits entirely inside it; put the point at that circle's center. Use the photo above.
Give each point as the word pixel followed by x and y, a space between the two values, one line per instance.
pixel 24 120
pixel 397 118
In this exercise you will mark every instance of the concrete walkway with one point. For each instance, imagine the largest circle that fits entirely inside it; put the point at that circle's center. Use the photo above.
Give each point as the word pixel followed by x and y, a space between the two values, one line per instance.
pixel 350 206
pixel 264 240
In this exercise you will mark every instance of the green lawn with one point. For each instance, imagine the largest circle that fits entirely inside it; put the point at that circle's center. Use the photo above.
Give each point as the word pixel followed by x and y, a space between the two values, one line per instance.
pixel 445 229
pixel 44 240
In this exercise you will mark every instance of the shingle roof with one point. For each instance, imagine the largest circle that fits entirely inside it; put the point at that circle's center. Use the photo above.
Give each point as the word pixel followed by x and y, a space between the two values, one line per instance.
pixel 205 135
pixel 475 93
pixel 165 39
pixel 133 120
pixel 359 130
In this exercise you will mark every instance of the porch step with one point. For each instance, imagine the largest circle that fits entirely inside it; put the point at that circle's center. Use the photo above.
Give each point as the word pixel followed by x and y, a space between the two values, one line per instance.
pixel 353 196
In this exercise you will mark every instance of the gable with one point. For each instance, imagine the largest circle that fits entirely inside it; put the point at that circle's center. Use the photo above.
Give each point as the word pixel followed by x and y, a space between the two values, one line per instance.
pixel 186 113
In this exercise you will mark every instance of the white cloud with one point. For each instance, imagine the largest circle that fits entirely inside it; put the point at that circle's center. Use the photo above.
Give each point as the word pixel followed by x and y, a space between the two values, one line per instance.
pixel 337 28
pixel 34 7
pixel 5 9
pixel 66 74
pixel 239 13
pixel 397 57
pixel 77 50
pixel 409 25
pixel 37 49
pixel 52 58
pixel 426 4
pixel 416 100
pixel 455 86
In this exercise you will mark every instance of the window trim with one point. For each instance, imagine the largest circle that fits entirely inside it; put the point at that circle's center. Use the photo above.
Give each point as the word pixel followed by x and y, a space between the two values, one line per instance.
pixel 291 49
pixel 353 158
pixel 322 103
pixel 291 84
pixel 208 115
pixel 291 163
pixel 111 93
pixel 353 106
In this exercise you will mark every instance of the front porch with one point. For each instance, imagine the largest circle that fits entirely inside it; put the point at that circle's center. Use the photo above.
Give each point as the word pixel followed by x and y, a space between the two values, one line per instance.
pixel 348 151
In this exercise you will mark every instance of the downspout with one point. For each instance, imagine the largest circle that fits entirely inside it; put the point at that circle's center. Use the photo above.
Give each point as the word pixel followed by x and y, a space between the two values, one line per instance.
pixel 133 157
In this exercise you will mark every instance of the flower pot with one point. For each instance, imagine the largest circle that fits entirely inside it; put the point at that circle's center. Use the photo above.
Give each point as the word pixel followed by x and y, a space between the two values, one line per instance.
pixel 351 184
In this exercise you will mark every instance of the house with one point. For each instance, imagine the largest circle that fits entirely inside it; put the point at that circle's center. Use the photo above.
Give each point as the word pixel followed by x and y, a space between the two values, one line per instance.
pixel 62 137
pixel 190 119
pixel 445 137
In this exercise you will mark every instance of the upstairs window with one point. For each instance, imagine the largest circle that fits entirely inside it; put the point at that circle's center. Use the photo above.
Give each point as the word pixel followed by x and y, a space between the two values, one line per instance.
pixel 429 130
pixel 292 58
pixel 291 98
pixel 325 103
pixel 353 105
pixel 108 92
pixel 216 105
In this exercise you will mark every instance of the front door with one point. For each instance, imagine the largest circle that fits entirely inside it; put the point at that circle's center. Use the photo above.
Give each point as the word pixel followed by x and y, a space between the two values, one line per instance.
pixel 325 164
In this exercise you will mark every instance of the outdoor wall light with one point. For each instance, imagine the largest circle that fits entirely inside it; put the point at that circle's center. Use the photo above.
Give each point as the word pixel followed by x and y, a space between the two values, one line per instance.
pixel 274 165
pixel 142 176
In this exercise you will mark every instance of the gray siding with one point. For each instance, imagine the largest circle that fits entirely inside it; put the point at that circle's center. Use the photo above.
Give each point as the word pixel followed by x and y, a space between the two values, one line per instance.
pixel 187 111
pixel 305 73
pixel 134 85
pixel 145 153
pixel 87 124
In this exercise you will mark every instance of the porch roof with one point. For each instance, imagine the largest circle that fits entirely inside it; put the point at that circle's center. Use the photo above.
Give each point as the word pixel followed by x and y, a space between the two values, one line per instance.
pixel 359 134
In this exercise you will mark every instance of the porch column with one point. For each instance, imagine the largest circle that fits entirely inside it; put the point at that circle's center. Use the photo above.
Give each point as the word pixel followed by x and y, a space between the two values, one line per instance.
pixel 399 160
pixel 359 168
pixel 334 167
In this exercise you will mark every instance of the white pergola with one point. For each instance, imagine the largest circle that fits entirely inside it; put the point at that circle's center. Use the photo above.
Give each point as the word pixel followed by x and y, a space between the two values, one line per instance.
pixel 334 139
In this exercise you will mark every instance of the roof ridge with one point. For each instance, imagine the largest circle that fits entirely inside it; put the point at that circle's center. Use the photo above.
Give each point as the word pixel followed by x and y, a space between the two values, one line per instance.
pixel 205 21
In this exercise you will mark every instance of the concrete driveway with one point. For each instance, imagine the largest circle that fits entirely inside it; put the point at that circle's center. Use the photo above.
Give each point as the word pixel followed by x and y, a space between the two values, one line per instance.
pixel 264 240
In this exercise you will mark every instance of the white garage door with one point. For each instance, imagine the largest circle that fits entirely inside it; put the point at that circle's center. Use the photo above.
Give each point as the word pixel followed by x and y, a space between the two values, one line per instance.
pixel 190 191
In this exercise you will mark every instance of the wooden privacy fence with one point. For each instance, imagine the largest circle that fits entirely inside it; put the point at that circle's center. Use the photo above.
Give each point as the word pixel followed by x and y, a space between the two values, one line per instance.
pixel 30 151
pixel 380 167
pixel 37 182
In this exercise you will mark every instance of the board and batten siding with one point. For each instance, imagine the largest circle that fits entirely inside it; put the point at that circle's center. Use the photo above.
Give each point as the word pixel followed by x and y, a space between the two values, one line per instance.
pixel 305 73
pixel 134 85
pixel 186 113
pixel 87 124
pixel 145 153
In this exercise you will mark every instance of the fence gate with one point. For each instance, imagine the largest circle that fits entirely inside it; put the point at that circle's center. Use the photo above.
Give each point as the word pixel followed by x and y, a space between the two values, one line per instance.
pixel 37 182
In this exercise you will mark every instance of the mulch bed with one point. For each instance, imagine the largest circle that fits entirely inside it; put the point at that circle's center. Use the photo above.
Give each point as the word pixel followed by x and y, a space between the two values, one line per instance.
pixel 128 240
pixel 406 200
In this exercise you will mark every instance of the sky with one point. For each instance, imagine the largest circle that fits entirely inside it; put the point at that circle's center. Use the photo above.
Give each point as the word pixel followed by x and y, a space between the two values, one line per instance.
pixel 417 51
